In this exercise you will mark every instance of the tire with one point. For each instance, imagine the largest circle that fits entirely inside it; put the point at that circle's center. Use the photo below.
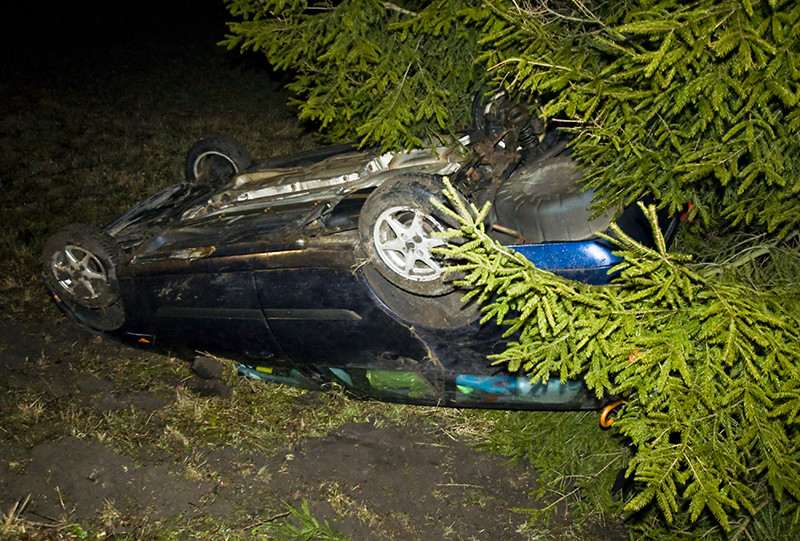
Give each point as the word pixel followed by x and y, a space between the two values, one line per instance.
pixel 395 225
pixel 108 318
pixel 216 159
pixel 485 117
pixel 80 267
pixel 545 202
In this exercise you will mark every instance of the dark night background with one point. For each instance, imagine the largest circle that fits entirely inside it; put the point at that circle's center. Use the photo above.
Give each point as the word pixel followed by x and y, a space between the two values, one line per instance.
pixel 52 35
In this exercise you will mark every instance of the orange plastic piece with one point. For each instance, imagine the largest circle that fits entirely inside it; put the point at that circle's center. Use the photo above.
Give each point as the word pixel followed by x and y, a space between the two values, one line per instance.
pixel 605 422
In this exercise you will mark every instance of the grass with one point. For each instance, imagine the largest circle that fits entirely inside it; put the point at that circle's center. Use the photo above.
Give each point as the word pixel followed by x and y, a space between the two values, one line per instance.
pixel 81 148
pixel 88 144
pixel 259 419
pixel 93 142
pixel 308 527
pixel 291 525
pixel 265 418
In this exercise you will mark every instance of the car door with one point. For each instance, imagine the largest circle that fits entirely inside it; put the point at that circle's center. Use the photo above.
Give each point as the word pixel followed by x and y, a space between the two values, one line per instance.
pixel 325 315
pixel 189 307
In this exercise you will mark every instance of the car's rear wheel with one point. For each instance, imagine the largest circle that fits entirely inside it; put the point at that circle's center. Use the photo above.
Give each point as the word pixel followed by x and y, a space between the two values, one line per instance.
pixel 216 159
pixel 80 266
pixel 397 225
pixel 545 202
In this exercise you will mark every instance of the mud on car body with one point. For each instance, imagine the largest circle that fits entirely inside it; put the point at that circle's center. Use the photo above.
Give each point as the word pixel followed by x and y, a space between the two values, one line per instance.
pixel 317 267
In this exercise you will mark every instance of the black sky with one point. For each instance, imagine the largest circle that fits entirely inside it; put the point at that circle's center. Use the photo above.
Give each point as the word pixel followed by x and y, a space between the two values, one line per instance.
pixel 43 32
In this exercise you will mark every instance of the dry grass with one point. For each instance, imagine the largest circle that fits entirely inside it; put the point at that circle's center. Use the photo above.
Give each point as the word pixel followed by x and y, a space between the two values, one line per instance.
pixel 85 145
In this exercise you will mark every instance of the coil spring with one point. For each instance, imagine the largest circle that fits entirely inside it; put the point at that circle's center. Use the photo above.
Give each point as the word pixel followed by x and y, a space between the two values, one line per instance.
pixel 527 138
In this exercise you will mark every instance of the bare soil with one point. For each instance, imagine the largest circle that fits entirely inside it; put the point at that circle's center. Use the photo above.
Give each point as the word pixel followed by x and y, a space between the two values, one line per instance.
pixel 396 482
pixel 369 479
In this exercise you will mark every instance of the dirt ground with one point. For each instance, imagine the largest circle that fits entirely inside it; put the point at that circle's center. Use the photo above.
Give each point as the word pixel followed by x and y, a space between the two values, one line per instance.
pixel 428 484
pixel 370 480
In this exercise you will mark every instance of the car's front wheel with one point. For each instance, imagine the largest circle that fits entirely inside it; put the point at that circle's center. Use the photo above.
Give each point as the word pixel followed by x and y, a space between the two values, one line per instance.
pixel 80 271
pixel 398 223
pixel 80 266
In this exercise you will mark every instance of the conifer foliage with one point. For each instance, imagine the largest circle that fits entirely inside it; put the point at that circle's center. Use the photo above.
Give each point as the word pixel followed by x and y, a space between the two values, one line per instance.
pixel 689 101
pixel 692 101
pixel 707 364
pixel 366 70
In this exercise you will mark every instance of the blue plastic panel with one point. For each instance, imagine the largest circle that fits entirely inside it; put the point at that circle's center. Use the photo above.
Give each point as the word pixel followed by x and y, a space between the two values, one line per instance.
pixel 588 261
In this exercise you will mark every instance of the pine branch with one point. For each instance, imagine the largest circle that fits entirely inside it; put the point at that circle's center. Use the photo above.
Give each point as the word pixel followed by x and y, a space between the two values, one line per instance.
pixel 683 347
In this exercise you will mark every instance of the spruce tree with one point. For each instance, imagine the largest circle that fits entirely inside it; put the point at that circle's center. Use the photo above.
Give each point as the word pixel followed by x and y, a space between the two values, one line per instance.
pixel 707 364
pixel 376 72
pixel 693 102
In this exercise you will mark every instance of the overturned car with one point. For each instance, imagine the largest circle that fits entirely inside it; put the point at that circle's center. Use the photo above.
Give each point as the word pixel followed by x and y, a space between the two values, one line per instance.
pixel 319 267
